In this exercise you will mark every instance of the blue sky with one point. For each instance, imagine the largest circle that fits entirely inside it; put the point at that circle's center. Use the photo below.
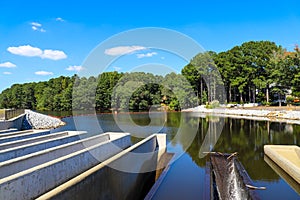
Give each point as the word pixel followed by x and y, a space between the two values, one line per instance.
pixel 40 40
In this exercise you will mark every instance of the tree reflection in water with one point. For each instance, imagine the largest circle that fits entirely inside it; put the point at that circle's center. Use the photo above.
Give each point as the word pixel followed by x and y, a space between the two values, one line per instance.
pixel 247 137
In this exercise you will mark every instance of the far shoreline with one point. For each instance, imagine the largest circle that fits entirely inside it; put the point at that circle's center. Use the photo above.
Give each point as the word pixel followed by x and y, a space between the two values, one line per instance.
pixel 287 114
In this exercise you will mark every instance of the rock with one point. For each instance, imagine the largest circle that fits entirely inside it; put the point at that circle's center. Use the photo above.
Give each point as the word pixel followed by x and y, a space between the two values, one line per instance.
pixel 40 121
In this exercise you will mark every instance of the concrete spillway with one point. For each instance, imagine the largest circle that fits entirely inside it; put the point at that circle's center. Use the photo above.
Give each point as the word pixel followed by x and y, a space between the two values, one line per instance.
pixel 58 169
pixel 38 164
pixel 100 181
pixel 18 151
pixel 11 132
pixel 24 135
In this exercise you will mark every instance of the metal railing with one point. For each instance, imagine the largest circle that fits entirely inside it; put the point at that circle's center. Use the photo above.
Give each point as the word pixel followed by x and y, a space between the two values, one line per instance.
pixel 6 114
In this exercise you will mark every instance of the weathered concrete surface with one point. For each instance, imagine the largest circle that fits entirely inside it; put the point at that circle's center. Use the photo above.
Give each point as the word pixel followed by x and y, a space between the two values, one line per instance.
pixel 48 175
pixel 19 164
pixel 8 130
pixel 19 143
pixel 38 146
pixel 287 157
pixel 24 136
pixel 11 133
pixel 107 180
pixel 12 123
pixel 287 178
pixel 41 121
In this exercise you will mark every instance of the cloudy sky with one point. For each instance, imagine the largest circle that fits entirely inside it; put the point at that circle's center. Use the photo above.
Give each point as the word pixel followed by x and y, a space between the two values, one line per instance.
pixel 40 40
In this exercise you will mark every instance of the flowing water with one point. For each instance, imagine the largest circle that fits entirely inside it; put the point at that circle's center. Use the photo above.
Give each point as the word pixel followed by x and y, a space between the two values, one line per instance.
pixel 189 135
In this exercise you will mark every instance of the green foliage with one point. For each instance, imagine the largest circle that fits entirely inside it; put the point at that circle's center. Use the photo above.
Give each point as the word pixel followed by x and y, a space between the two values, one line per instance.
pixel 290 99
pixel 213 104
pixel 250 72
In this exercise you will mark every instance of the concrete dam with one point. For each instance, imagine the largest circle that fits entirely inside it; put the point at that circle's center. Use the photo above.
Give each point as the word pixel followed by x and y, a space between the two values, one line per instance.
pixel 38 164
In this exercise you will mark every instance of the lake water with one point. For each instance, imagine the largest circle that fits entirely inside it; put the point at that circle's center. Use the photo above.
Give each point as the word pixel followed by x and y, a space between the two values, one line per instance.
pixel 189 134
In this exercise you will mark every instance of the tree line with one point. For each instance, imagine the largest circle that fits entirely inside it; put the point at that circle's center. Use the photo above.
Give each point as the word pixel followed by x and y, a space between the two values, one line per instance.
pixel 256 71
pixel 108 91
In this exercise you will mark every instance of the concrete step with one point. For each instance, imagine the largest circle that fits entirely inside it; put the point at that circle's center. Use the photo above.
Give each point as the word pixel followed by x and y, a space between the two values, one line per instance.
pixel 8 130
pixel 13 133
pixel 48 175
pixel 24 136
pixel 22 163
pixel 15 152
pixel 8 145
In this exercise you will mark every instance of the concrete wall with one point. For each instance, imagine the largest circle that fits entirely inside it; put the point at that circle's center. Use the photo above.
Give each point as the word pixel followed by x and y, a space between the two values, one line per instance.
pixel 38 146
pixel 105 182
pixel 12 133
pixel 12 123
pixel 19 143
pixel 16 165
pixel 48 175
pixel 23 136
pixel 8 130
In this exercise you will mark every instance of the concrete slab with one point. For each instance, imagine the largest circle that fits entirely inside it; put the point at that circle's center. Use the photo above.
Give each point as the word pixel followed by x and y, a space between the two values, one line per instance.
pixel 287 157
pixel 287 178
pixel 15 152
pixel 12 133
pixel 18 143
pixel 22 163
pixel 24 136
pixel 35 181
pixel 8 130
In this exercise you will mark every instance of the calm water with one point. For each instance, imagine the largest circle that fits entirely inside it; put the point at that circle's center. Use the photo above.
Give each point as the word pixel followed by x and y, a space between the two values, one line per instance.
pixel 187 133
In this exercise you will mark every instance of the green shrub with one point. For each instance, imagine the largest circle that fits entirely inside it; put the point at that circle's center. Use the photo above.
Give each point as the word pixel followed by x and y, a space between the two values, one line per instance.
pixel 290 99
pixel 213 104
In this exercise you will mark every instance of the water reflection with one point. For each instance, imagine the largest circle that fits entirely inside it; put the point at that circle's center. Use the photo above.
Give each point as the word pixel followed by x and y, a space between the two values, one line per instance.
pixel 223 134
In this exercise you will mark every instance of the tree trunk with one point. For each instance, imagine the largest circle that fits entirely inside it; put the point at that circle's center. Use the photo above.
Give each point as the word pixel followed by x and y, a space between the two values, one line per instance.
pixel 254 94
pixel 279 100
pixel 229 93
pixel 267 94
pixel 201 90
pixel 215 90
pixel 249 93
pixel 241 97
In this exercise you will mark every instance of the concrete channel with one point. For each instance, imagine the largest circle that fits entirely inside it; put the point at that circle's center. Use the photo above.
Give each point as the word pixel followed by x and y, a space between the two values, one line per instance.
pixel 38 146
pixel 22 163
pixel 47 176
pixel 18 143
pixel 8 131
pixel 99 182
pixel 28 134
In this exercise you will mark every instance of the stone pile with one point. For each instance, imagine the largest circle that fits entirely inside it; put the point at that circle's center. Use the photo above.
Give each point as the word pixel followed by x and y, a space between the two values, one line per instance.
pixel 36 120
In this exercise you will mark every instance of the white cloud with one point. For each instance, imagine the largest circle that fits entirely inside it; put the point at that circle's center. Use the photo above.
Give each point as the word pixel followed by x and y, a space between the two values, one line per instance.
pixel 53 54
pixel 75 68
pixel 7 73
pixel 122 50
pixel 117 68
pixel 36 24
pixel 59 19
pixel 37 27
pixel 143 55
pixel 30 51
pixel 43 73
pixel 7 65
pixel 25 50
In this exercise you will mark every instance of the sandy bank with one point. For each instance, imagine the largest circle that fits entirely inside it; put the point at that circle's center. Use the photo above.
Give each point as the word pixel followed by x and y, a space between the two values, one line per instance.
pixel 280 114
